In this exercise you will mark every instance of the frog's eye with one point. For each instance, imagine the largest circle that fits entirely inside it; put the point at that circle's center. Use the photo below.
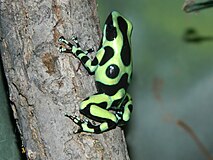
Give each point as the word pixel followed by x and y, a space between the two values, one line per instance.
pixel 110 31
pixel 112 71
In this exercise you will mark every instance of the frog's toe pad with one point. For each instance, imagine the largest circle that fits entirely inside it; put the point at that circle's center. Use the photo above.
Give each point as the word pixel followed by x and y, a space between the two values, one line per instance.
pixel 61 39
pixel 61 49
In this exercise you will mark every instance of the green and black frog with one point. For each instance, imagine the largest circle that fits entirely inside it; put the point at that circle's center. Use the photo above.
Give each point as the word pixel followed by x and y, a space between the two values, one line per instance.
pixel 111 106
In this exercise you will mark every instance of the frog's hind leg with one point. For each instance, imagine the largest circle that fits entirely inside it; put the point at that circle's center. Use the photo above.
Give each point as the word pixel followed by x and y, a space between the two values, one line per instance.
pixel 95 108
pixel 124 113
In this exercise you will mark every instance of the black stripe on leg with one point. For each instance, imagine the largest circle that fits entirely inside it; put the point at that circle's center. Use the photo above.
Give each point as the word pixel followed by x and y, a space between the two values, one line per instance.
pixel 78 52
pixel 94 62
pixel 84 59
pixel 111 125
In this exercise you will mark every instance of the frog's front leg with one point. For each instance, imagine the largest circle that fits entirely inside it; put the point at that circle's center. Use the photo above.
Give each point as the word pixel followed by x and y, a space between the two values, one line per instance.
pixel 95 108
pixel 89 64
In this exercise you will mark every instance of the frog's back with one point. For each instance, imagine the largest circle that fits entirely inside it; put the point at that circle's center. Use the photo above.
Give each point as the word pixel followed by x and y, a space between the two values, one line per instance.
pixel 115 61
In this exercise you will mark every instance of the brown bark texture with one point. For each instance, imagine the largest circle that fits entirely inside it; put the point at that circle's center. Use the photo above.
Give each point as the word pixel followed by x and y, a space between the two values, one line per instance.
pixel 45 84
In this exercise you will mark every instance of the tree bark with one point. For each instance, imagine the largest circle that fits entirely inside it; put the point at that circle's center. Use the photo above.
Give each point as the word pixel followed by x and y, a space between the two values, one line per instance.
pixel 45 84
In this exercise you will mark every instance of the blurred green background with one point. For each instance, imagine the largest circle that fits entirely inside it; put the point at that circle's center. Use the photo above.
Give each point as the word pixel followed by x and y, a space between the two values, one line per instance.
pixel 172 86
pixel 8 143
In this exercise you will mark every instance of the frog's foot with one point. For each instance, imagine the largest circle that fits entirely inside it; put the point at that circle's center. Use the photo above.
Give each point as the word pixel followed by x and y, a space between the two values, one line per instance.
pixel 75 39
pixel 119 115
pixel 77 121
pixel 62 40
pixel 87 126
pixel 64 50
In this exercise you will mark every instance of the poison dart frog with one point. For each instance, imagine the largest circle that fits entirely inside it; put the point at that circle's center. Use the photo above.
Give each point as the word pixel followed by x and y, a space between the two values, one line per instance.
pixel 111 106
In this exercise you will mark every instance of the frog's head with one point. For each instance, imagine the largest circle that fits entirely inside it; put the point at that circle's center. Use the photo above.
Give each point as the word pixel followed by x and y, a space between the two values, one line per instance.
pixel 116 25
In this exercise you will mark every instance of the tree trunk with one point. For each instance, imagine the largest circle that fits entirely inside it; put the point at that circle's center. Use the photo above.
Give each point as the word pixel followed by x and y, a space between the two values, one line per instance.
pixel 45 84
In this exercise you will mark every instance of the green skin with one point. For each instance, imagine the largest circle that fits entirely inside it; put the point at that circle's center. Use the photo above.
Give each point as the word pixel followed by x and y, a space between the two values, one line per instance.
pixel 112 68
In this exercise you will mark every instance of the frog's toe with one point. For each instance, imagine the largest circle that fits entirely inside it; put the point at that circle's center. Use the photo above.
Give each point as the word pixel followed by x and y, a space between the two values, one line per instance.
pixel 61 39
pixel 74 118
